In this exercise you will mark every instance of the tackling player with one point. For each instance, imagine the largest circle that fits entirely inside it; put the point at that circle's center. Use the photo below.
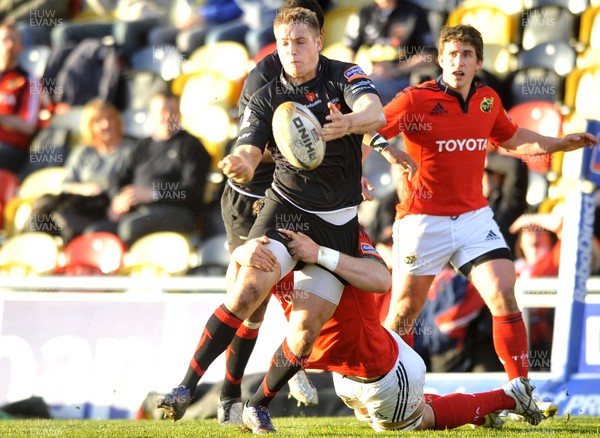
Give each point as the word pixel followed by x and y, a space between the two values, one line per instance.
pixel 374 372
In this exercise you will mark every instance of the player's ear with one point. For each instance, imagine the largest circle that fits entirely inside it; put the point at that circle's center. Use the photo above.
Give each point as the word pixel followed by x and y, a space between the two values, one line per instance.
pixel 320 42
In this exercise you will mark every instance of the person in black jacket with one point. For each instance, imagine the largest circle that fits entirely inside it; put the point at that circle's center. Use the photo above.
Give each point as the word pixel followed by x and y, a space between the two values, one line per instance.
pixel 160 184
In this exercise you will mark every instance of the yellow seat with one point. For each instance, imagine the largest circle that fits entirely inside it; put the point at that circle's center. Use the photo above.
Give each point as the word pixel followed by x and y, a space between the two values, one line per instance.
pixel 41 182
pixel 161 254
pixel 495 25
pixel 336 21
pixel 208 88
pixel 589 28
pixel 227 58
pixel 582 89
pixel 508 6
pixel 212 125
pixel 29 254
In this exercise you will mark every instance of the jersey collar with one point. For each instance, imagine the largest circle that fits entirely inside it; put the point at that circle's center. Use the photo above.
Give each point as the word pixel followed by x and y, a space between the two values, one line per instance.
pixel 464 104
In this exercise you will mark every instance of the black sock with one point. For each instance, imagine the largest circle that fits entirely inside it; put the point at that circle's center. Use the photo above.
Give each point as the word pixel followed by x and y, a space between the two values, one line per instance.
pixel 284 365
pixel 237 356
pixel 218 333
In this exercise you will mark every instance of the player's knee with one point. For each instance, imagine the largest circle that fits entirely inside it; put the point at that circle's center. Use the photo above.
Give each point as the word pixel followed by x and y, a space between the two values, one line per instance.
pixel 502 300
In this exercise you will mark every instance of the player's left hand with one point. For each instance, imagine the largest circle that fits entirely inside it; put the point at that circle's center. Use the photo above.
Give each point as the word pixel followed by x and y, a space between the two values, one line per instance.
pixel 367 189
pixel 339 124
pixel 300 246
pixel 255 254
pixel 400 158
pixel 573 142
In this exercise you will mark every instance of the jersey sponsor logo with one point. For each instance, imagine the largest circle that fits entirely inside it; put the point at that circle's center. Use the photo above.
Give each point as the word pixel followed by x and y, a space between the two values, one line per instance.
pixel 355 72
pixel 462 144
pixel 411 259
pixel 366 248
pixel 492 236
pixel 311 96
pixel 486 104
pixel 438 110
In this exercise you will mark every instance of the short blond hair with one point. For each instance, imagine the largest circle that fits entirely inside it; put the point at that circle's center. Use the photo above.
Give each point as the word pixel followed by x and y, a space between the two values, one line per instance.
pixel 91 111
pixel 298 16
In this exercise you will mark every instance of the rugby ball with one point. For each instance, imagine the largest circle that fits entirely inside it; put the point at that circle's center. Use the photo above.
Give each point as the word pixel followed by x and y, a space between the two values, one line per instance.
pixel 298 136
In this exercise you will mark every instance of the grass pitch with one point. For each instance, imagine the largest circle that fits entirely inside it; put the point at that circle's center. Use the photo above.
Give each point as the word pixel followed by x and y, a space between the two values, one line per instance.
pixel 287 427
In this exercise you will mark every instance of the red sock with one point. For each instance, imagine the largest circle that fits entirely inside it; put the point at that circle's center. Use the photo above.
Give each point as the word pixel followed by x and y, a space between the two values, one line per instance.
pixel 456 410
pixel 510 342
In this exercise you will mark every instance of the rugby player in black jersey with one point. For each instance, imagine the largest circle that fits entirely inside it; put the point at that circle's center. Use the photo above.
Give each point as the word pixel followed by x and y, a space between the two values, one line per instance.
pixel 321 203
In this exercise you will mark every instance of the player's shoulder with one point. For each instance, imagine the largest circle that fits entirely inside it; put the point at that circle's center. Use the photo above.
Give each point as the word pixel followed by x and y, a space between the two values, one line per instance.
pixel 341 70
pixel 482 89
pixel 420 91
pixel 269 66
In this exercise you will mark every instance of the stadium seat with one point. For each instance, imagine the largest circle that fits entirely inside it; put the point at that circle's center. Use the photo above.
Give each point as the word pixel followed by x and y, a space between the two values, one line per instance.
pixel 213 257
pixel 17 211
pixel 210 123
pixel 97 253
pixel 162 254
pixel 498 60
pixel 582 90
pixel 541 117
pixel 9 186
pixel 33 60
pixel 164 61
pixel 226 58
pixel 547 23
pixel 534 83
pixel 29 254
pixel 554 55
pixel 589 28
pixel 336 22
pixel 589 57
pixel 137 89
pixel 209 88
pixel 574 6
pixel 495 25
pixel 509 6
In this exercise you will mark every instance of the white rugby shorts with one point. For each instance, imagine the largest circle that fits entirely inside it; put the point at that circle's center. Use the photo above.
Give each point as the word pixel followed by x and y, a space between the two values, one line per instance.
pixel 392 399
pixel 424 244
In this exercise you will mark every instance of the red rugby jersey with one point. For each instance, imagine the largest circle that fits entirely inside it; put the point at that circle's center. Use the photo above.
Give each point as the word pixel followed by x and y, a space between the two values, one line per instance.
pixel 448 138
pixel 353 342
pixel 18 96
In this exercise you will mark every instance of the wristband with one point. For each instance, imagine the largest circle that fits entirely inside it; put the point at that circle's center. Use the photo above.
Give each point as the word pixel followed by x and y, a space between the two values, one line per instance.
pixel 378 143
pixel 328 258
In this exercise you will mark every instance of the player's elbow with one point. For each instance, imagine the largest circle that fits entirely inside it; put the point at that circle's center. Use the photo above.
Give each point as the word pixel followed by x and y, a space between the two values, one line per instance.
pixel 382 281
pixel 380 122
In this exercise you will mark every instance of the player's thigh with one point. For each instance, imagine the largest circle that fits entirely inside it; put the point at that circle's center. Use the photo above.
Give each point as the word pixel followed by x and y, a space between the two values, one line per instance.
pixel 422 244
pixel 238 218
pixel 477 234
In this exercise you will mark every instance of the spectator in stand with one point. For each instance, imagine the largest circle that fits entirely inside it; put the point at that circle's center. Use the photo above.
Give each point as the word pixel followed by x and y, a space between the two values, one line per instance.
pixel 160 184
pixel 89 171
pixel 19 102
pixel 188 32
pixel 398 35
pixel 91 167
pixel 505 183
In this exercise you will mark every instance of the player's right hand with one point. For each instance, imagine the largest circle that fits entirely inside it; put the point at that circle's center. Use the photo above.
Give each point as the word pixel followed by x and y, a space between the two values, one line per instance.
pixel 236 168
